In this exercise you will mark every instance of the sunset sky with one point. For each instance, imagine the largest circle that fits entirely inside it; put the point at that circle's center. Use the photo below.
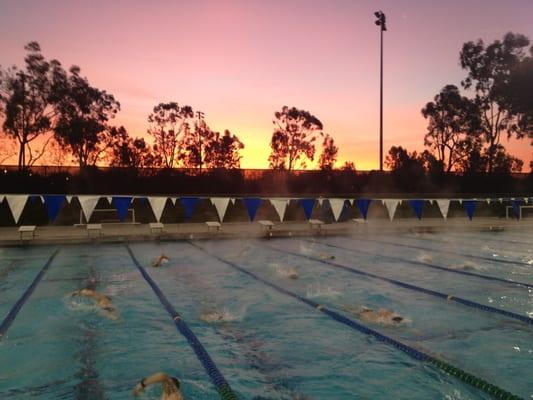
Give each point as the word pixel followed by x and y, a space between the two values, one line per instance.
pixel 240 61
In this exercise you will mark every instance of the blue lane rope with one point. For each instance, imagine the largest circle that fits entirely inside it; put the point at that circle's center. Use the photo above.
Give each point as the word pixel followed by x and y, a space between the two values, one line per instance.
pixel 8 320
pixel 424 264
pixel 464 376
pixel 212 370
pixel 456 253
pixel 445 296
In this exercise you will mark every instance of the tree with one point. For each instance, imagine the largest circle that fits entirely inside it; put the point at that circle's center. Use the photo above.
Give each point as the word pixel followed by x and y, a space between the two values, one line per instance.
pixel 348 166
pixel 293 138
pixel 169 123
pixel 8 149
pixel 25 98
pixel 453 127
pixel 83 112
pixel 195 143
pixel 400 160
pixel 328 157
pixel 129 152
pixel 489 68
pixel 223 151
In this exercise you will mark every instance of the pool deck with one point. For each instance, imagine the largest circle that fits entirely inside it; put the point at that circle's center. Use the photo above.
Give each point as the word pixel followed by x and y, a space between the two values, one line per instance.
pixel 10 236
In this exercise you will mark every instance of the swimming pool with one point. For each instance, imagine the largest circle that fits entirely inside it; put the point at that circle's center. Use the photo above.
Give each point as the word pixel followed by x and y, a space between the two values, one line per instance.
pixel 270 344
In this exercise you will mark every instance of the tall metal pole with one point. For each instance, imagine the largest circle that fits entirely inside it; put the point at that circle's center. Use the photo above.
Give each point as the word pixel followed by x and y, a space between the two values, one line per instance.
pixel 381 23
pixel 381 108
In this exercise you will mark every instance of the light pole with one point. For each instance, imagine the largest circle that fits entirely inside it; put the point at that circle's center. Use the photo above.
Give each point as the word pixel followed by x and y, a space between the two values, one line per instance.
pixel 380 21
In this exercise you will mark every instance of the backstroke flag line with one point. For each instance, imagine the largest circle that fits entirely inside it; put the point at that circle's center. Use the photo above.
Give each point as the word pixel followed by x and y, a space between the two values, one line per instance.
pixel 444 206
pixel 221 205
pixel 158 205
pixel 391 205
pixel 337 205
pixel 88 204
pixel 16 204
pixel 280 205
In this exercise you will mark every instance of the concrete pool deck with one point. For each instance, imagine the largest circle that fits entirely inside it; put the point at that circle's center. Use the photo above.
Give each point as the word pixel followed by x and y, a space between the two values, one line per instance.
pixel 233 230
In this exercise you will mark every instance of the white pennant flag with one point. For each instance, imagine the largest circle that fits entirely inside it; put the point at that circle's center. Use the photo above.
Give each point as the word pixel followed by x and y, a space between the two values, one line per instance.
pixel 158 205
pixel 320 201
pixel 88 204
pixel 232 201
pixel 280 205
pixel 221 204
pixel 391 205
pixel 526 199
pixel 444 206
pixel 174 199
pixel 110 199
pixel 16 203
pixel 336 206
pixel 69 199
pixel 2 198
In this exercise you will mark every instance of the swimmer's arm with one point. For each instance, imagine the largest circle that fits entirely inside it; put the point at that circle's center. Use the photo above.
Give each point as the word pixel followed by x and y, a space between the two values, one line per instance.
pixel 158 377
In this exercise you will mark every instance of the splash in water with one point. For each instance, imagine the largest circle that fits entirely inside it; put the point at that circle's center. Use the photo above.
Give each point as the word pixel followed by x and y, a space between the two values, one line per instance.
pixel 424 257
pixel 285 271
pixel 319 290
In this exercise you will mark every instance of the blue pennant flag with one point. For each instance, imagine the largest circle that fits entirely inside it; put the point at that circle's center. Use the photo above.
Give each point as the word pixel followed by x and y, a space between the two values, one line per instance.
pixel 308 205
pixel 470 207
pixel 122 204
pixel 362 205
pixel 516 208
pixel 53 204
pixel 189 204
pixel 418 206
pixel 142 200
pixel 252 204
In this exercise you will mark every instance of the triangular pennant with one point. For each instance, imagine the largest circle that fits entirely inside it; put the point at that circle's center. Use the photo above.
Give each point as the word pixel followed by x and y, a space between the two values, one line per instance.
pixel 391 205
pixel 173 200
pixel 53 205
pixel 470 207
pixel 68 198
pixel 444 206
pixel 16 204
pixel 308 205
pixel 526 200
pixel 2 198
pixel 252 204
pixel 418 206
pixel 488 201
pixel 516 208
pixel 88 204
pixel 122 204
pixel 232 201
pixel 109 200
pixel 189 203
pixel 221 205
pixel 320 201
pixel 362 205
pixel 158 205
pixel 280 205
pixel 337 205
pixel 34 198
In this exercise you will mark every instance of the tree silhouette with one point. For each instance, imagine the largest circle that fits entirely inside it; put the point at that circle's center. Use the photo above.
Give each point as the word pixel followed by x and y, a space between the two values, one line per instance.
pixel 489 68
pixel 83 112
pixel 131 152
pixel 293 138
pixel 169 123
pixel 348 166
pixel 399 159
pixel 195 143
pixel 328 157
pixel 453 127
pixel 223 151
pixel 25 102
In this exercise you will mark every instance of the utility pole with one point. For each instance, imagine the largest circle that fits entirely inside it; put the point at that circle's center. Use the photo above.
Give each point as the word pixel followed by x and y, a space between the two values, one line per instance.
pixel 381 22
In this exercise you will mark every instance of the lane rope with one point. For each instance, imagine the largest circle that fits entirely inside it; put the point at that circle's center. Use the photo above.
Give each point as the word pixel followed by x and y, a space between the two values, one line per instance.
pixel 222 386
pixel 447 297
pixel 456 253
pixel 424 264
pixel 458 373
pixel 10 317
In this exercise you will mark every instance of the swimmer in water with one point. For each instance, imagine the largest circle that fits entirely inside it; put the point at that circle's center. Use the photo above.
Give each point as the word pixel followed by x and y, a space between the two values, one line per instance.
pixel 162 259
pixel 382 316
pixel 171 386
pixel 104 302
pixel 327 257
pixel 213 316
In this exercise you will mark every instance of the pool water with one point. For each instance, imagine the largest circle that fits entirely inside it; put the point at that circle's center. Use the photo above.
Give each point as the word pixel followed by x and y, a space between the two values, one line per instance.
pixel 269 345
